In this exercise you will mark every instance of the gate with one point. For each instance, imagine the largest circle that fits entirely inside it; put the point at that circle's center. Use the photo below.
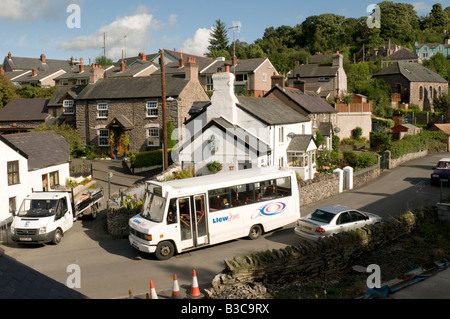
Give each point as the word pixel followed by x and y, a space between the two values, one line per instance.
pixel 384 160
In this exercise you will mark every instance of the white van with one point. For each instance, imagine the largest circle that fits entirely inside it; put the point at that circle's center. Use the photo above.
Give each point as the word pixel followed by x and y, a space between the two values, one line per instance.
pixel 186 214
pixel 44 217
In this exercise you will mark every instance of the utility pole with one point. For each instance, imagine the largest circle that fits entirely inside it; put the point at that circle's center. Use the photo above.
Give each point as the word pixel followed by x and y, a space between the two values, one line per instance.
pixel 104 44
pixel 164 124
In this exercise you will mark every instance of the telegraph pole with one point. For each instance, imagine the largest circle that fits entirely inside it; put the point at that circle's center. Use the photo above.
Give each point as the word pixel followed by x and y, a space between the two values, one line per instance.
pixel 164 124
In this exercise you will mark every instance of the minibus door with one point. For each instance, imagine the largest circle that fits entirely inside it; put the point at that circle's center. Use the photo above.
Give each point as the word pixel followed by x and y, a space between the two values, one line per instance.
pixel 193 225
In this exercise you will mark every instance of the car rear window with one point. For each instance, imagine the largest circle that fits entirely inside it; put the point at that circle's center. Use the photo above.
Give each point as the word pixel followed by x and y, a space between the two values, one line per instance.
pixel 443 165
pixel 321 216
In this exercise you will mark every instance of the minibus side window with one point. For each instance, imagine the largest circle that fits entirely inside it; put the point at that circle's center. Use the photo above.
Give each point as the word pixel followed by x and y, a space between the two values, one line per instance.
pixel 172 217
pixel 219 199
pixel 284 187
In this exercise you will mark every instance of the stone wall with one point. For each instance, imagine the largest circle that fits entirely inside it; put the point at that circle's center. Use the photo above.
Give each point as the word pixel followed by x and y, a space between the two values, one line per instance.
pixel 365 175
pixel 319 188
pixel 393 163
pixel 307 260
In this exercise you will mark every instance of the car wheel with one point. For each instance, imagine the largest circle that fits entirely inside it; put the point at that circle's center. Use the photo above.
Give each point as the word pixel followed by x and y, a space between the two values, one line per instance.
pixel 255 232
pixel 165 250
pixel 57 236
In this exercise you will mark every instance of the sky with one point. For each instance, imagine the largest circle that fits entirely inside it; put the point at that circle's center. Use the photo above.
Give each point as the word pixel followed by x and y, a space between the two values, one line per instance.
pixel 61 29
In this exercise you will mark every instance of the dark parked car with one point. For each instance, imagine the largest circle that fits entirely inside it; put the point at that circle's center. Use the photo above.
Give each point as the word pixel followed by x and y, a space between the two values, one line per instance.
pixel 441 172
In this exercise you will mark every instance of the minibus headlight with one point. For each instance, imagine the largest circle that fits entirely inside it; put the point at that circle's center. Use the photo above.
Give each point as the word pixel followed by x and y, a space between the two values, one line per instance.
pixel 12 229
pixel 42 230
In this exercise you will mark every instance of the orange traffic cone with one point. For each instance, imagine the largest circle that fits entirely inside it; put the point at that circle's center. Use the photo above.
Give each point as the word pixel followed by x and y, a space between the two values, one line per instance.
pixel 153 294
pixel 130 294
pixel 176 288
pixel 195 291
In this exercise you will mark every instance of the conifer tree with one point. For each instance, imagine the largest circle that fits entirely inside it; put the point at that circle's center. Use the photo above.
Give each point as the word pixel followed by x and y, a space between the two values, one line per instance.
pixel 218 40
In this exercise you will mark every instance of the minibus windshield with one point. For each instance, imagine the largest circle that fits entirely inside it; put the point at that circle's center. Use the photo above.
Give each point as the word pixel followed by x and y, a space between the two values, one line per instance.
pixel 154 208
pixel 37 208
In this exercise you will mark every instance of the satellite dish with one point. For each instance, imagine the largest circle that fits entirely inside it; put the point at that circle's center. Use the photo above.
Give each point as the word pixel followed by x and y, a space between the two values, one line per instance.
pixel 337 130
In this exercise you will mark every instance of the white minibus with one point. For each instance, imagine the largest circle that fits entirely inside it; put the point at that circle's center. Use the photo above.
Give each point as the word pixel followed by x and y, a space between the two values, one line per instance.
pixel 186 214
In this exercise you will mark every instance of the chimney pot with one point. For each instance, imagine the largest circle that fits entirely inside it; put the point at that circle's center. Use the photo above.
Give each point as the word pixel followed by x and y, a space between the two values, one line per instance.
pixel 227 67
pixel 43 59
pixel 122 66
pixel 142 56
pixel 2 71
pixel 34 72
pixel 81 68
pixel 181 61
pixel 9 55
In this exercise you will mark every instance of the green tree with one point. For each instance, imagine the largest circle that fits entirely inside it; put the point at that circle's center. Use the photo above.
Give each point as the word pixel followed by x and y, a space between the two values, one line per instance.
pixel 7 91
pixel 439 64
pixel 29 92
pixel 218 38
pixel 399 22
pixel 103 61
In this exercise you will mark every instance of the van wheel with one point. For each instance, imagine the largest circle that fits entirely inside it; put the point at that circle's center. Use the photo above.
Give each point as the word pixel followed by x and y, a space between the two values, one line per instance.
pixel 94 212
pixel 57 236
pixel 255 232
pixel 165 250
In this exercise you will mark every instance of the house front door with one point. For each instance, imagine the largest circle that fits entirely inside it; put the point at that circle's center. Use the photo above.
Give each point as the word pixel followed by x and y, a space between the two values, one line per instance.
pixel 45 186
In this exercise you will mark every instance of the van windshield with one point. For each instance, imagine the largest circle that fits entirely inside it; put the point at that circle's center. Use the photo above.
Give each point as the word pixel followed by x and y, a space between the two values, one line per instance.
pixel 37 208
pixel 154 208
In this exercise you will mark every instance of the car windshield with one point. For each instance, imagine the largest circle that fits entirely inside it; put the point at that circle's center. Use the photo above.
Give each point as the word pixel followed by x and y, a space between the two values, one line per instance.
pixel 321 216
pixel 443 165
pixel 37 208
pixel 154 208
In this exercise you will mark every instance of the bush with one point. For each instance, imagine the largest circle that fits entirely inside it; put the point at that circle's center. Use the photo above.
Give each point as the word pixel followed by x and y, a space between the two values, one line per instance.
pixel 336 143
pixel 356 133
pixel 350 158
pixel 149 158
pixel 366 160
pixel 214 166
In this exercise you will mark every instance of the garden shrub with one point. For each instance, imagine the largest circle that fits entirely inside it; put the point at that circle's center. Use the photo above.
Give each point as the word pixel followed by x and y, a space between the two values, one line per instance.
pixel 149 158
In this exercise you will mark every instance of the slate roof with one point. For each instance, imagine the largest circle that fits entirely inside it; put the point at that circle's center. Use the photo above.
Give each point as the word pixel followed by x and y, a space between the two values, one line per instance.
pixel 61 91
pixel 315 71
pixel 25 110
pixel 309 101
pixel 403 54
pixel 20 63
pixel 41 74
pixel 248 65
pixel 44 148
pixel 300 143
pixel 18 281
pixel 133 69
pixel 270 111
pixel 412 71
pixel 139 87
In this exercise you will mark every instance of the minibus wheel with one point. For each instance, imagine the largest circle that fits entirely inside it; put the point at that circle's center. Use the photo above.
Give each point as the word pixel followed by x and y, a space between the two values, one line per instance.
pixel 255 232
pixel 165 250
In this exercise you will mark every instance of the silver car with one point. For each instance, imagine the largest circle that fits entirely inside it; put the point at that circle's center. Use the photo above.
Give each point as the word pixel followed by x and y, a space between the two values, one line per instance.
pixel 329 220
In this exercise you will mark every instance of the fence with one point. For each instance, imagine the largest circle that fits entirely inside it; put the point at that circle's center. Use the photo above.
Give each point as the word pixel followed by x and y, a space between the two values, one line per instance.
pixel 364 107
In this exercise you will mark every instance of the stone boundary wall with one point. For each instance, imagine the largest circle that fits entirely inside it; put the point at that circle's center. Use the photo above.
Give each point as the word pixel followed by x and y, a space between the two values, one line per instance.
pixel 393 163
pixel 365 175
pixel 319 188
pixel 308 259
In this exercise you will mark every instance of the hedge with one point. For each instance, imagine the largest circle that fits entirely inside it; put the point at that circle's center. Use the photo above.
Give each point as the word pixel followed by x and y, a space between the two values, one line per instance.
pixel 149 158
pixel 431 141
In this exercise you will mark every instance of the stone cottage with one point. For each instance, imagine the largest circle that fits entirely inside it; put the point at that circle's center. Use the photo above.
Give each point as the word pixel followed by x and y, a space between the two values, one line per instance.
pixel 118 115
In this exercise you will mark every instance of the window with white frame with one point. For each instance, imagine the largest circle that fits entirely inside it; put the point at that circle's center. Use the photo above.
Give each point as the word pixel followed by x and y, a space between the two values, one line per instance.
pixel 103 137
pixel 102 110
pixel 264 77
pixel 242 77
pixel 68 106
pixel 153 136
pixel 151 108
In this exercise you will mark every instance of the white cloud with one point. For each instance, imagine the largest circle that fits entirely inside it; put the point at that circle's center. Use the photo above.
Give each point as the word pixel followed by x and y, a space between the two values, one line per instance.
pixel 33 10
pixel 136 28
pixel 173 19
pixel 198 44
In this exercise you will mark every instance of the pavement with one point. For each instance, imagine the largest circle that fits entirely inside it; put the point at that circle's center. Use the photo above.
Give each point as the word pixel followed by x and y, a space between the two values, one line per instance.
pixel 18 281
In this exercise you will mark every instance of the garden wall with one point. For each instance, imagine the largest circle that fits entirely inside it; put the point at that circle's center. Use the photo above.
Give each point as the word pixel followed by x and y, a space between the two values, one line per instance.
pixel 393 163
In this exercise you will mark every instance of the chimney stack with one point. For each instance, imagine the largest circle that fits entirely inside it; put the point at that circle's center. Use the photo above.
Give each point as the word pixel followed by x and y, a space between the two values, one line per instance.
pixel 142 56
pixel 300 84
pixel 34 73
pixel 338 59
pixel 9 56
pixel 181 61
pixel 81 68
pixel 122 66
pixel 227 67
pixel 191 69
pixel 278 80
pixel 96 72
pixel 43 59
